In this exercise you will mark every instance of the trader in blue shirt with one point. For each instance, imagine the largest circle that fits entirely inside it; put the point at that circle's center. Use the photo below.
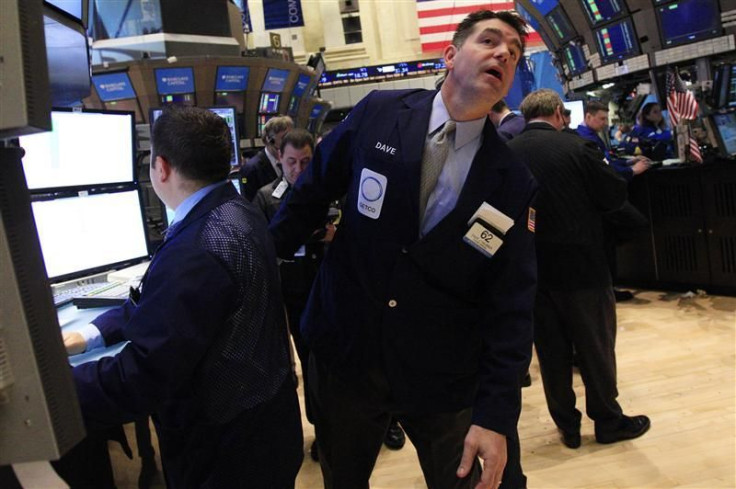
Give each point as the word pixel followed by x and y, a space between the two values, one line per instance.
pixel 207 353
pixel 422 309
pixel 596 120
pixel 650 135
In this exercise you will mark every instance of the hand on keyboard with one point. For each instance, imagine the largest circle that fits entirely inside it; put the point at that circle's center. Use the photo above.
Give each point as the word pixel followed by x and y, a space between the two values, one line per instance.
pixel 74 343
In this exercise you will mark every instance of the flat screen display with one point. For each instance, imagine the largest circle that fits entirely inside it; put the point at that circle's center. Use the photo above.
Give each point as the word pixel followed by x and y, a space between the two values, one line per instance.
pixel 560 24
pixel 81 234
pixel 686 21
pixel 67 54
pixel 617 41
pixel 577 112
pixel 113 86
pixel 545 6
pixel 172 81
pixel 82 149
pixel 269 103
pixel 232 78
pixel 602 11
pixel 574 58
pixel 230 116
pixel 732 87
pixel 275 80
pixel 726 125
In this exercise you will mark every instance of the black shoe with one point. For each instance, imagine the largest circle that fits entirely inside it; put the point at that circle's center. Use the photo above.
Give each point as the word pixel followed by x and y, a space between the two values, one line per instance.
pixel 622 295
pixel 395 437
pixel 314 451
pixel 527 381
pixel 629 428
pixel 571 440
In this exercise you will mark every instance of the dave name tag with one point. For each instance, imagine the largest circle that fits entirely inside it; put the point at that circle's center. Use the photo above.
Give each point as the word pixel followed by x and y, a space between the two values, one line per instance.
pixel 483 238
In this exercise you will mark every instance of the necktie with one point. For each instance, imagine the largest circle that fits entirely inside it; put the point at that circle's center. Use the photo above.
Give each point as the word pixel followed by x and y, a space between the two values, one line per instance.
pixel 435 154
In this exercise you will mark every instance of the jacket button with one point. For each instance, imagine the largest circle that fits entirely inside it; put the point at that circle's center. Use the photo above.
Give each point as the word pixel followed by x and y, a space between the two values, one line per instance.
pixel 392 303
pixel 404 250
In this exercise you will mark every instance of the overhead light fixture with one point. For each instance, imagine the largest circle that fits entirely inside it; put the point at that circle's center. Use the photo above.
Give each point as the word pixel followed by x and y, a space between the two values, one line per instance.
pixel 606 86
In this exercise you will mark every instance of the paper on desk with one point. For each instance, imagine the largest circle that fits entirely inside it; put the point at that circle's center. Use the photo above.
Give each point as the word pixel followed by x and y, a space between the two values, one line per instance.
pixel 38 475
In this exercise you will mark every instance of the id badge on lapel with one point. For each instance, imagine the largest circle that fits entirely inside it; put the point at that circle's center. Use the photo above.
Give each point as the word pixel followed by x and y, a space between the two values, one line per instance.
pixel 488 227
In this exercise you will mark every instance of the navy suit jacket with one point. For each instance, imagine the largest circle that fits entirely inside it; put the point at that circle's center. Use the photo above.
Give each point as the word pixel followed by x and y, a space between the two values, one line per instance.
pixel 511 126
pixel 450 327
pixel 207 339
pixel 257 172
pixel 619 164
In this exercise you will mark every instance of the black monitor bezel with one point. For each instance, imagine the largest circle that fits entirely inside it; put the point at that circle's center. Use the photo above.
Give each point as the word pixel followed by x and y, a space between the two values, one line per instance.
pixel 595 24
pixel 606 60
pixel 662 38
pixel 569 37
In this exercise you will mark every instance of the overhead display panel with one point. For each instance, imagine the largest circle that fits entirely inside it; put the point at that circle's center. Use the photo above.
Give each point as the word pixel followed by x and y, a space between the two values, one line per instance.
pixel 687 21
pixel 617 41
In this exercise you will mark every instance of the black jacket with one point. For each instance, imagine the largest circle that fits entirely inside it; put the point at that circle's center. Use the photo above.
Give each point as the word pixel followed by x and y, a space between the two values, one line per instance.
pixel 255 173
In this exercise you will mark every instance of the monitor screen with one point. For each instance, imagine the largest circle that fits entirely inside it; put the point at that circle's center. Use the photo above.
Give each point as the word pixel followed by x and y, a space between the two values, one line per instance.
pixel 269 103
pixel 230 116
pixel 232 78
pixel 577 112
pixel 173 81
pixel 602 11
pixel 113 86
pixel 275 80
pixel 83 234
pixel 617 41
pixel 686 21
pixel 545 6
pixel 726 125
pixel 261 123
pixel 82 149
pixel 574 58
pixel 732 87
pixel 560 24
pixel 67 53
pixel 301 85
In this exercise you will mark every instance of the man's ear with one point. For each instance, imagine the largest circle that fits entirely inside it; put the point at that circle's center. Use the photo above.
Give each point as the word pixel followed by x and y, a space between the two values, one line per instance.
pixel 162 168
pixel 449 54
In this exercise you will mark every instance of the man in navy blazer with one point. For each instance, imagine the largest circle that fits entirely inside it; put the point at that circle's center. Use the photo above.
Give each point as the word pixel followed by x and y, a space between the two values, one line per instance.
pixel 207 353
pixel 406 318
pixel 508 125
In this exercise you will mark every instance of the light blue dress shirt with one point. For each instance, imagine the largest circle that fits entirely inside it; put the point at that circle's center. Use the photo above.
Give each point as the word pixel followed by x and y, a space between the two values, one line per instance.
pixel 90 333
pixel 468 138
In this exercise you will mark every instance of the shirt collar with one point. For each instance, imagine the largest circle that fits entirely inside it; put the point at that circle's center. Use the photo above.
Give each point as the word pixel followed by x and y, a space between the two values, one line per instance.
pixel 465 131
pixel 274 161
pixel 189 203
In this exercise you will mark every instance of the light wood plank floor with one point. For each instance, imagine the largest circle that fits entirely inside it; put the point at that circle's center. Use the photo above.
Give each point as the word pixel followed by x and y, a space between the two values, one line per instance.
pixel 676 363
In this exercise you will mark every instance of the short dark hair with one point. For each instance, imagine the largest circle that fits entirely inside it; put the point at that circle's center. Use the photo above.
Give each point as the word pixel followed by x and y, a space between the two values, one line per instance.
pixel 465 28
pixel 499 107
pixel 594 106
pixel 297 139
pixel 196 142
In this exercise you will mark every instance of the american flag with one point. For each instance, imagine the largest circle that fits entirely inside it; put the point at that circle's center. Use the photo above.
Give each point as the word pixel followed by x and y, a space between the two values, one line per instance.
pixel 681 105
pixel 438 20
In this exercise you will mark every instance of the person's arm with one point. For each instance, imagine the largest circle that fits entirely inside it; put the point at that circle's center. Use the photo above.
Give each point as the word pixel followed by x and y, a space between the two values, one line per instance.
pixel 606 187
pixel 183 305
pixel 325 179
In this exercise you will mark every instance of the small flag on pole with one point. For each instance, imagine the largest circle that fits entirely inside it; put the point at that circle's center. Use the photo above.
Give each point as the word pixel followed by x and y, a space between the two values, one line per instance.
pixel 681 105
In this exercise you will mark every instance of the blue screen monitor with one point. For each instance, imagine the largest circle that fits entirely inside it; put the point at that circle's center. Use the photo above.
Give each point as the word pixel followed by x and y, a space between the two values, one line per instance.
pixel 269 103
pixel 574 58
pixel 687 21
pixel 67 54
pixel 175 85
pixel 545 6
pixel 89 148
pixel 117 92
pixel 726 129
pixel 560 24
pixel 230 85
pixel 602 11
pixel 732 87
pixel 617 41
pixel 296 95
pixel 230 116
pixel 275 80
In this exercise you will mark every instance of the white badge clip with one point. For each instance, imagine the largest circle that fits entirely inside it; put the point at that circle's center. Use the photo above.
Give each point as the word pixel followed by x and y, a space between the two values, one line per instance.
pixel 488 226
pixel 372 191
pixel 278 192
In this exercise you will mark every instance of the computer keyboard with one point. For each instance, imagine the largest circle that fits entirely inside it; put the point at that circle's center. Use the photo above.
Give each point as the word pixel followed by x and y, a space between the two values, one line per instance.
pixel 64 295
pixel 108 294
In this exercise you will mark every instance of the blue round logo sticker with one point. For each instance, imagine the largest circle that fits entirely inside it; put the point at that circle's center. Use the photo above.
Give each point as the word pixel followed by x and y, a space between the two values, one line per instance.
pixel 371 189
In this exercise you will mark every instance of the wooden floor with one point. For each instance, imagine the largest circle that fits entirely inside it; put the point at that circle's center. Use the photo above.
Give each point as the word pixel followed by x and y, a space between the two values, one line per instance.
pixel 676 363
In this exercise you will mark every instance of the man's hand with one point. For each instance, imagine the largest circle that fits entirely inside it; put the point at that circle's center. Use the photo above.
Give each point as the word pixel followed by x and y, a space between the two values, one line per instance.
pixel 74 343
pixel 640 165
pixel 491 448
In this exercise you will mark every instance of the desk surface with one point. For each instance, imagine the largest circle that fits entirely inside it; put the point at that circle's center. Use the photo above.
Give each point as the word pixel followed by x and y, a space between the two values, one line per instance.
pixel 72 318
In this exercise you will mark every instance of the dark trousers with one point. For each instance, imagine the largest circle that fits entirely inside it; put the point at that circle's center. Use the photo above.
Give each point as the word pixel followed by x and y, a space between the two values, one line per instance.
pixel 583 321
pixel 351 419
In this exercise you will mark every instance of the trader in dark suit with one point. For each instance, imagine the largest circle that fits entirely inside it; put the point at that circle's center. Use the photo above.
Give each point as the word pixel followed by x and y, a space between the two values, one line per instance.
pixel 508 125
pixel 263 168
pixel 207 354
pixel 575 309
pixel 421 309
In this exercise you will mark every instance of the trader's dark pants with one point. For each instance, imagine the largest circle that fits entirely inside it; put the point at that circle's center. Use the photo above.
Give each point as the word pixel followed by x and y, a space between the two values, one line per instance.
pixel 583 321
pixel 351 422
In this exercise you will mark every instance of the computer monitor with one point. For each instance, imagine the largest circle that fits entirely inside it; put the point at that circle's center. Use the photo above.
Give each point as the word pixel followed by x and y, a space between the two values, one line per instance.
pixel 84 148
pixel 574 58
pixel 269 103
pixel 116 92
pixel 602 11
pixel 231 82
pixel 617 41
pixel 275 80
pixel 726 132
pixel 231 118
pixel 731 101
pixel 67 53
pixel 296 95
pixel 686 21
pixel 175 86
pixel 577 112
pixel 316 116
pixel 261 123
pixel 89 233
pixel 560 24
pixel 75 8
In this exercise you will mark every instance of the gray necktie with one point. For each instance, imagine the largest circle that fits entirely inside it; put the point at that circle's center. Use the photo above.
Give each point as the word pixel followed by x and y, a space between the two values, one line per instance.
pixel 435 154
